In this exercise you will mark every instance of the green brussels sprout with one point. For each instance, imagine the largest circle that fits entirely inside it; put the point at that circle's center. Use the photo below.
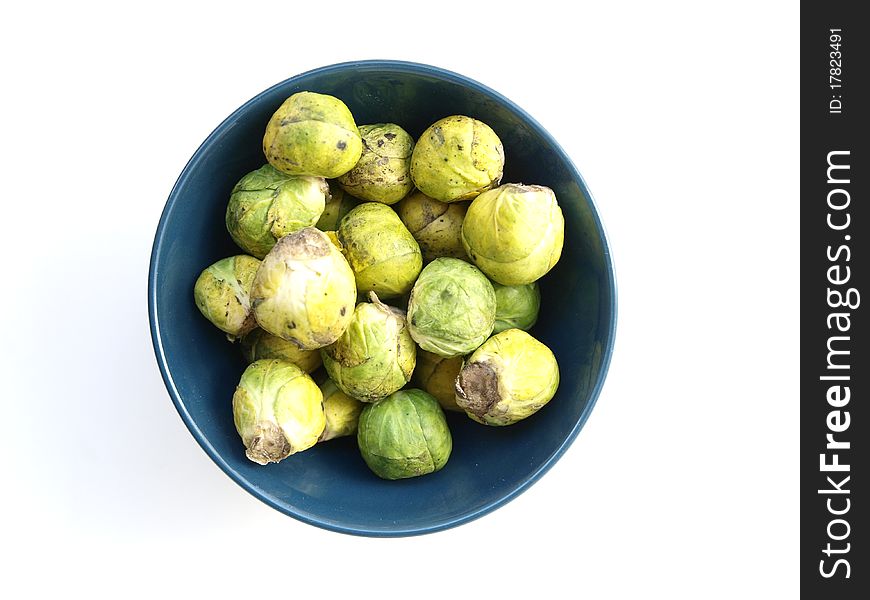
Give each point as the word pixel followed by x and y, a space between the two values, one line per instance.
pixel 222 294
pixel 514 233
pixel 266 205
pixel 338 205
pixel 383 171
pixel 516 306
pixel 457 158
pixel 312 134
pixel 511 376
pixel 435 225
pixel 304 291
pixel 342 412
pixel 383 254
pixel 259 344
pixel 452 308
pixel 436 375
pixel 278 410
pixel 404 435
pixel 375 356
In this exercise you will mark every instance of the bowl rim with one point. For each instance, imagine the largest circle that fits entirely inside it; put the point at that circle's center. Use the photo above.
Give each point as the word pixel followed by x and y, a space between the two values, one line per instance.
pixel 331 524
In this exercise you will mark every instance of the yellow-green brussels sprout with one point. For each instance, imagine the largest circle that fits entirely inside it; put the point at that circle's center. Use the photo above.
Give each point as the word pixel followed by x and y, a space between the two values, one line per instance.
pixel 435 225
pixel 278 410
pixel 514 233
pixel 342 412
pixel 304 291
pixel 375 355
pixel 338 205
pixel 457 158
pixel 312 134
pixel 222 294
pixel 516 306
pixel 404 435
pixel 383 254
pixel 266 205
pixel 260 344
pixel 436 375
pixel 452 308
pixel 511 376
pixel 383 171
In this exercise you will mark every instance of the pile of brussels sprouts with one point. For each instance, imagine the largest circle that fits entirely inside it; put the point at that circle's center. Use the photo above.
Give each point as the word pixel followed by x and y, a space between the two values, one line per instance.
pixel 362 254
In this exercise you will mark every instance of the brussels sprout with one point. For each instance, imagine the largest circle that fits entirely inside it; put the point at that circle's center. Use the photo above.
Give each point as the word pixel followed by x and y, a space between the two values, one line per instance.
pixel 333 238
pixel 383 171
pixel 338 205
pixel 260 344
pixel 516 306
pixel 342 412
pixel 456 159
pixel 452 308
pixel 278 410
pixel 222 294
pixel 312 134
pixel 435 225
pixel 511 376
pixel 384 256
pixel 375 356
pixel 266 205
pixel 436 375
pixel 304 291
pixel 514 233
pixel 404 435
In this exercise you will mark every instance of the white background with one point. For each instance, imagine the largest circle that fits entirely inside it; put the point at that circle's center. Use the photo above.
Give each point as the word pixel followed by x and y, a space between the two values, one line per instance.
pixel 683 118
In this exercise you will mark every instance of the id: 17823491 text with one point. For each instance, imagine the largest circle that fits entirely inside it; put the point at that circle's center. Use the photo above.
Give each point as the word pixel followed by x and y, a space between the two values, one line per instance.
pixel 835 71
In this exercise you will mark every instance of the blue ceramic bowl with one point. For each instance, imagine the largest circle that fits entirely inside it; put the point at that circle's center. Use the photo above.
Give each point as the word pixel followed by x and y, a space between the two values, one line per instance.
pixel 329 485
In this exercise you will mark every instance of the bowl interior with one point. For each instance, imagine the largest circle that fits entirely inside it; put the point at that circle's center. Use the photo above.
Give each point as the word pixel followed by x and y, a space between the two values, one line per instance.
pixel 329 485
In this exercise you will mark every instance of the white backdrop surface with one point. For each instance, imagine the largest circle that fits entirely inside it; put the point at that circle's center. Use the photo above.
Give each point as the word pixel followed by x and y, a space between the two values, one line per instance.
pixel 682 117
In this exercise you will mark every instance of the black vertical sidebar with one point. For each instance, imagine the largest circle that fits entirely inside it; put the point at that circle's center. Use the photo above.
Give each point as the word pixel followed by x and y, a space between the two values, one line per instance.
pixel 834 369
